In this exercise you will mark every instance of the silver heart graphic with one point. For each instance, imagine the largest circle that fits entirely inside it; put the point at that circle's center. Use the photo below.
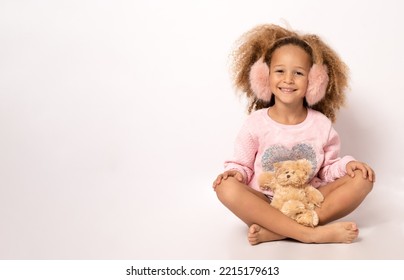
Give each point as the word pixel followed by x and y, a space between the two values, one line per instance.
pixel 278 153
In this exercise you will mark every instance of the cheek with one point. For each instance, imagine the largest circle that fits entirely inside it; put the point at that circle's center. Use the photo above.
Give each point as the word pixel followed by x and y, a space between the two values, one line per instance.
pixel 273 81
pixel 304 83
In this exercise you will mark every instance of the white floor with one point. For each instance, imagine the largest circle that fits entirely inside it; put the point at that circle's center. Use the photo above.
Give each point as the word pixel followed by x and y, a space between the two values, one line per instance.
pixel 111 220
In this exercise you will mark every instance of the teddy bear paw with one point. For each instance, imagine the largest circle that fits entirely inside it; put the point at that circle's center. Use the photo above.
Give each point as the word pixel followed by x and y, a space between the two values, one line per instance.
pixel 264 188
pixel 314 196
pixel 309 218
pixel 292 208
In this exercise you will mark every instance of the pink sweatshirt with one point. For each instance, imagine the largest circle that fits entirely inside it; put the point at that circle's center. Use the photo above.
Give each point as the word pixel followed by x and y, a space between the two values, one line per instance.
pixel 262 142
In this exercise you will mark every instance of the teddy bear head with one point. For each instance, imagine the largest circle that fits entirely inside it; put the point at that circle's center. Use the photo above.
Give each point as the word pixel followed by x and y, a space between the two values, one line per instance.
pixel 293 173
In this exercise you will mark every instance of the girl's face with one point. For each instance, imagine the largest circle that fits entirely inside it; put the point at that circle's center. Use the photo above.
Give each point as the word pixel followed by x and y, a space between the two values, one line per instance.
pixel 288 74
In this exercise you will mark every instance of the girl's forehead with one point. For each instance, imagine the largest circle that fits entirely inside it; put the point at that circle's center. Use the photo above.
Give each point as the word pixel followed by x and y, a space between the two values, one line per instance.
pixel 290 50
pixel 291 53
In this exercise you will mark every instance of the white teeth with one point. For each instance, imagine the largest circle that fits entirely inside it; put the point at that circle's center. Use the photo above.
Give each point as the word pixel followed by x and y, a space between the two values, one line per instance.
pixel 287 90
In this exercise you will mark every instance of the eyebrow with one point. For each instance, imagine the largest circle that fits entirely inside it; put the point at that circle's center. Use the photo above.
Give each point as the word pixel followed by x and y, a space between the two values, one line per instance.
pixel 297 67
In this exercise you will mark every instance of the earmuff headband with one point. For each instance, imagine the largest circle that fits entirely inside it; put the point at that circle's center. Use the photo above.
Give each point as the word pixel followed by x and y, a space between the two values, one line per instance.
pixel 318 81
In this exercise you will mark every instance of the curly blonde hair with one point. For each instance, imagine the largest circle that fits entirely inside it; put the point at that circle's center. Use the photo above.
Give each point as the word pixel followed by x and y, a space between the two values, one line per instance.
pixel 263 40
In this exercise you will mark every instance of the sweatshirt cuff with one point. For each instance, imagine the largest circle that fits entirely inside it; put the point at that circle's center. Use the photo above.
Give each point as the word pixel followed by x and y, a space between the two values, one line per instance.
pixel 236 167
pixel 342 164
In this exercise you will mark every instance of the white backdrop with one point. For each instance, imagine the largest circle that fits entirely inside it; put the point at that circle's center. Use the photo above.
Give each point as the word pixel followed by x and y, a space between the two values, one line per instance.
pixel 116 116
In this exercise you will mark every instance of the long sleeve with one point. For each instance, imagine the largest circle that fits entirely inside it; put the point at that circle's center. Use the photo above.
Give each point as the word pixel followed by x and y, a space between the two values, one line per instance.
pixel 245 150
pixel 333 167
pixel 262 142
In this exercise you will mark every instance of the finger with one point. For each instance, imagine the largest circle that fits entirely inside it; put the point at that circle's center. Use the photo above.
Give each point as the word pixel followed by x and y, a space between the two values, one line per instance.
pixel 217 181
pixel 362 167
pixel 371 175
pixel 239 177
pixel 368 173
pixel 364 170
pixel 350 171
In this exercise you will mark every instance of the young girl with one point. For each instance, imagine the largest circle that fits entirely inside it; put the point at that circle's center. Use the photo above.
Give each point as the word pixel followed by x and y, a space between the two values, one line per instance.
pixel 295 85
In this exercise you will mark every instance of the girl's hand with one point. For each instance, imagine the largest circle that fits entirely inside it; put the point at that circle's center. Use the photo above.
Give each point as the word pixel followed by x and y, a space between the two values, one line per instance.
pixel 227 174
pixel 367 172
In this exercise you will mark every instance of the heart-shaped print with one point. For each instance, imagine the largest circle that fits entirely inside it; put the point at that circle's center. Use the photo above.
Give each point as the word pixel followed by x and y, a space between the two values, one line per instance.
pixel 278 153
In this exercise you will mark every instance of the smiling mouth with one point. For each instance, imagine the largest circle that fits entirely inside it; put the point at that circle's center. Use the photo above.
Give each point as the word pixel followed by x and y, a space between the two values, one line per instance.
pixel 287 90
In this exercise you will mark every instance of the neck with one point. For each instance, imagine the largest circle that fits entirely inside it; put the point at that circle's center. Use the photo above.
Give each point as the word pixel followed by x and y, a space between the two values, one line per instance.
pixel 289 115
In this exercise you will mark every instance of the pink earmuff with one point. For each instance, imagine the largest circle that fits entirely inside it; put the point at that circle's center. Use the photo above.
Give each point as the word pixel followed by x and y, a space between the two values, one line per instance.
pixel 318 81
pixel 259 80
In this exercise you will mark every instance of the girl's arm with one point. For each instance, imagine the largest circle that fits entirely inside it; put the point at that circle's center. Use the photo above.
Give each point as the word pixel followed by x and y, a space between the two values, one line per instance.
pixel 245 150
pixel 334 166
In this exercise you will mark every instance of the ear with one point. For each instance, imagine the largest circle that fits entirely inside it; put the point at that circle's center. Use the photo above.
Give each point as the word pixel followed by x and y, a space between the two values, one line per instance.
pixel 305 165
pixel 259 80
pixel 318 81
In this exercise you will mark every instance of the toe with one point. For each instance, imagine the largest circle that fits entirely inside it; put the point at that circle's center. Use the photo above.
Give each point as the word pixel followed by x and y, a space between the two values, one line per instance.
pixel 253 229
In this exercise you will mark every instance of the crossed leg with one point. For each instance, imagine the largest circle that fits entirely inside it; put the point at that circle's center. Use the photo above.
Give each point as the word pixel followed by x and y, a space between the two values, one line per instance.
pixel 343 196
pixel 268 224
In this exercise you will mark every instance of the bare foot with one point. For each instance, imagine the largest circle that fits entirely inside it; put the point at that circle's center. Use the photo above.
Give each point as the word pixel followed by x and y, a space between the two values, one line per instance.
pixel 343 232
pixel 258 234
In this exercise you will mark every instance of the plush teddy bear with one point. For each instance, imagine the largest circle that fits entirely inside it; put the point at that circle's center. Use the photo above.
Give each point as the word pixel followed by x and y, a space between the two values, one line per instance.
pixel 292 194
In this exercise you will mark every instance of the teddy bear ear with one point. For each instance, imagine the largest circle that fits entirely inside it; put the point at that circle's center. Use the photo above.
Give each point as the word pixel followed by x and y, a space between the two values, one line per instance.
pixel 305 165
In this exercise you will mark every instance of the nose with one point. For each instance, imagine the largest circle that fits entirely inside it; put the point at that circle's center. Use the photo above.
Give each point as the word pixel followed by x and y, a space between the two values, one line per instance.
pixel 289 78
